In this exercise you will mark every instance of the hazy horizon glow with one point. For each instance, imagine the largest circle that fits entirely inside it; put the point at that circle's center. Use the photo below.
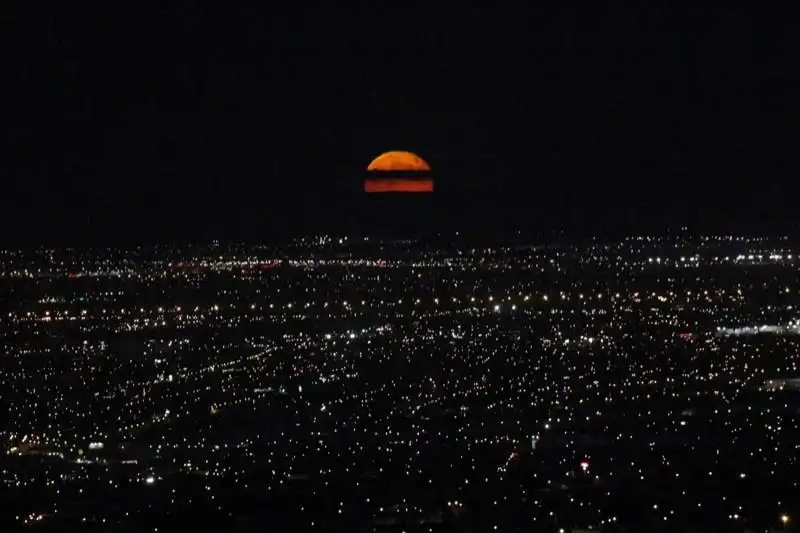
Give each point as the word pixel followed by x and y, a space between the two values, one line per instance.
pixel 398 185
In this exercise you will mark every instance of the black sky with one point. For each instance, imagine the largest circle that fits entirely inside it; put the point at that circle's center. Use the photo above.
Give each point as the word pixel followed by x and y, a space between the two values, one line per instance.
pixel 194 122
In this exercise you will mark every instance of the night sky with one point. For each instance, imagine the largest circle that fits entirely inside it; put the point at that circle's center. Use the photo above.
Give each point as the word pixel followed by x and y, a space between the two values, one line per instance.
pixel 192 122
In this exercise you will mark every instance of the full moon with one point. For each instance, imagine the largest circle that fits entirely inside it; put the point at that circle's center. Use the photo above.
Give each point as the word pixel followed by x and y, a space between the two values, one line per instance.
pixel 398 171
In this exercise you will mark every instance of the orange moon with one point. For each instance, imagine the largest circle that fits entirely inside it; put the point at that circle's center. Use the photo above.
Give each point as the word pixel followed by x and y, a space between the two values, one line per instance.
pixel 399 160
pixel 398 171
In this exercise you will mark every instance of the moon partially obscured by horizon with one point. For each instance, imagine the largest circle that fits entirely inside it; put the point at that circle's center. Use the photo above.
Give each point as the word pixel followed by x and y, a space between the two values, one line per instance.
pixel 399 160
pixel 398 171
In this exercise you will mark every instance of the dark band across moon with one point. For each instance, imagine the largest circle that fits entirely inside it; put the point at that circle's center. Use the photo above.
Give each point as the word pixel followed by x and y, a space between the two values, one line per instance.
pixel 398 171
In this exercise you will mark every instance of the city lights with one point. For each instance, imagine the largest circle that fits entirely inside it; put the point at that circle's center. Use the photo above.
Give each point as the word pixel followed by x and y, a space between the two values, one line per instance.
pixel 637 383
